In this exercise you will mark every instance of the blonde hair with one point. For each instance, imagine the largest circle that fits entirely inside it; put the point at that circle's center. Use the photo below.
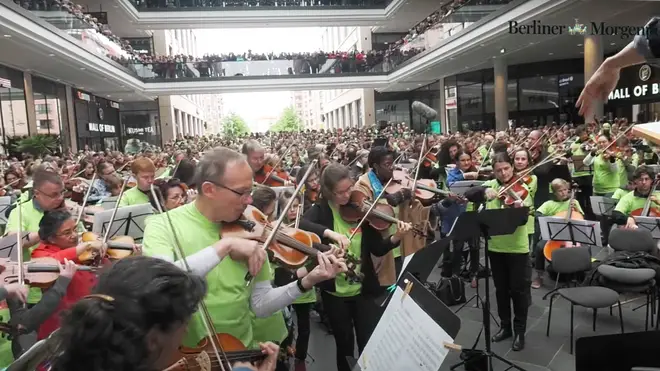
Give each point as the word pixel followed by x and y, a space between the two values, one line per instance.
pixel 557 183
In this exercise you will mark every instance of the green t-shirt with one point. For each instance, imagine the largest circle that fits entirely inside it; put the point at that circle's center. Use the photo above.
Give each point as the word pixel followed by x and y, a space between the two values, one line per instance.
pixel 343 287
pixel 271 328
pixel 623 169
pixel 133 197
pixel 630 202
pixel 228 297
pixel 516 243
pixel 551 208
pixel 605 180
pixel 620 193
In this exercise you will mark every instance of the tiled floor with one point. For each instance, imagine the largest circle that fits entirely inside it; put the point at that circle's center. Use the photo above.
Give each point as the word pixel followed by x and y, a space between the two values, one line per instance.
pixel 541 352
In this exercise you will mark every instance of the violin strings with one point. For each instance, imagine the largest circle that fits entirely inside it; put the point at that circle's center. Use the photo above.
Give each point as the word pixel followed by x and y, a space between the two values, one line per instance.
pixel 288 240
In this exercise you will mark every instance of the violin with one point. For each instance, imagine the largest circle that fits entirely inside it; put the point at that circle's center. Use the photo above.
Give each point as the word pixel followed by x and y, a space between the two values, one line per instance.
pixel 203 356
pixel 425 189
pixel 380 218
pixel 430 159
pixel 570 214
pixel 38 272
pixel 119 247
pixel 515 191
pixel 270 176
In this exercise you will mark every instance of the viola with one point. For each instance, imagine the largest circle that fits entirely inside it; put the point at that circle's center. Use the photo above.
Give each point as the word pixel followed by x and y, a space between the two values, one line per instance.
pixel 203 356
pixel 380 218
pixel 119 247
pixel 38 272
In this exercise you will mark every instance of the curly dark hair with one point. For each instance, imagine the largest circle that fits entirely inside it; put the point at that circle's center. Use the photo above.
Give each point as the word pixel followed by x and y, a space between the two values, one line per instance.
pixel 107 335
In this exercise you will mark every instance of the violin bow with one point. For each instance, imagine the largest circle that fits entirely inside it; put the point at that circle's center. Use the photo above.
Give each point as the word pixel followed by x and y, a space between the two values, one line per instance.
pixel 156 199
pixel 84 203
pixel 19 245
pixel 414 187
pixel 301 206
pixel 276 164
pixel 280 219
pixel 206 316
pixel 373 204
pixel 114 212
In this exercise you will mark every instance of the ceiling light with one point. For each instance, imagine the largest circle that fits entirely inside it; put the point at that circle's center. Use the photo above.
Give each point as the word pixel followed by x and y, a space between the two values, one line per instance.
pixel 612 43
pixel 551 53
pixel 419 84
pixel 122 86
pixel 120 99
pixel 81 87
pixel 108 95
pixel 82 68
pixel 502 51
pixel 51 55
pixel 579 44
pixel 7 36
pixel 408 89
pixel 482 44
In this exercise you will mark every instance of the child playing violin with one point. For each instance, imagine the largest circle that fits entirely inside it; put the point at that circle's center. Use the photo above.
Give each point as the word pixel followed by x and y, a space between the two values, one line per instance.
pixel 561 191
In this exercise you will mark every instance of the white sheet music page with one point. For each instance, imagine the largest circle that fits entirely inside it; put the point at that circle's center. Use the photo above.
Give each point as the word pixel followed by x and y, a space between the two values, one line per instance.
pixel 406 338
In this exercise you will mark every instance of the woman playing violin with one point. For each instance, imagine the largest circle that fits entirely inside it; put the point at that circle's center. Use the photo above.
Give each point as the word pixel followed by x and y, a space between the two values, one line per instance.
pixel 59 240
pixel 509 256
pixel 521 162
pixel 312 187
pixel 135 320
pixel 264 199
pixel 350 306
pixel 174 194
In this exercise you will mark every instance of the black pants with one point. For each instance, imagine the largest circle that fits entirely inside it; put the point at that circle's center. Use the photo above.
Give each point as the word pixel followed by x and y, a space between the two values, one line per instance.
pixel 509 275
pixel 303 321
pixel 606 222
pixel 345 315
pixel 585 183
pixel 539 257
pixel 451 260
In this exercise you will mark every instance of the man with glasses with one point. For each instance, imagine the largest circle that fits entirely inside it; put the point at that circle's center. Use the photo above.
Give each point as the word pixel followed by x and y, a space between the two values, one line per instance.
pixel 224 184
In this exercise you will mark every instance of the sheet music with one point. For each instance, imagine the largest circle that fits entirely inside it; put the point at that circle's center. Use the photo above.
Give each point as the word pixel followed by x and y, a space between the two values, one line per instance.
pixel 406 338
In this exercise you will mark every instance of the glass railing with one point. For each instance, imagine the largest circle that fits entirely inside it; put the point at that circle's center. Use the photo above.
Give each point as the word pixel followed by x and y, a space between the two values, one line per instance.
pixel 197 5
pixel 217 68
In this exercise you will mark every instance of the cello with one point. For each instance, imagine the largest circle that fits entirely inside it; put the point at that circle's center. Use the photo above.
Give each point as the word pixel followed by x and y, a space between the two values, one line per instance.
pixel 569 214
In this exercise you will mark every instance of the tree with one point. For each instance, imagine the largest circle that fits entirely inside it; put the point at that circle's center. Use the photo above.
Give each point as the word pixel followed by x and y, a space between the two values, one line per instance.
pixel 233 126
pixel 289 121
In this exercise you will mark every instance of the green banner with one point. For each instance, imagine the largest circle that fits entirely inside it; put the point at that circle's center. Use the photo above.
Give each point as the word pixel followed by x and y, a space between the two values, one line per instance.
pixel 435 127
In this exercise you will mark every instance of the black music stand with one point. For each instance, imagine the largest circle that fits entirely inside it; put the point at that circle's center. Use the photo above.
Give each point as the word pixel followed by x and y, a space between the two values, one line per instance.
pixel 129 221
pixel 650 224
pixel 489 223
pixel 602 206
pixel 8 245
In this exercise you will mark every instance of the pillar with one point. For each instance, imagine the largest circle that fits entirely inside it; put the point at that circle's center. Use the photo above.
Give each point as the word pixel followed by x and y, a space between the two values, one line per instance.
pixel 442 107
pixel 355 113
pixel 500 92
pixel 368 108
pixel 29 103
pixel 593 58
pixel 179 130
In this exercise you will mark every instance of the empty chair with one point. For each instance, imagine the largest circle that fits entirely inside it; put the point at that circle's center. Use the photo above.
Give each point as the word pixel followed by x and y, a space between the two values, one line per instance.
pixel 572 261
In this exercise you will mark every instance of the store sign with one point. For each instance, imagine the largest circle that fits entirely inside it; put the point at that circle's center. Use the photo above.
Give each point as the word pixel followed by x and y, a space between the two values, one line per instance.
pixel 102 128
pixel 5 83
pixel 83 96
pixel 450 103
pixel 565 81
pixel 139 131
pixel 645 72
pixel 636 91
pixel 114 105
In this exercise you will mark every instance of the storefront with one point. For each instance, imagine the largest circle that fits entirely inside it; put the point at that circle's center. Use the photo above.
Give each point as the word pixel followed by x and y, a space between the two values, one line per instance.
pixel 13 109
pixel 97 122
pixel 51 112
pixel 637 95
pixel 395 106
pixel 140 124
pixel 537 94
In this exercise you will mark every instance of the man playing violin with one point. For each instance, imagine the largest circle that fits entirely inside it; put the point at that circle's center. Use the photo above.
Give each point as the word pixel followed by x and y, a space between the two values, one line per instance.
pixel 644 180
pixel 509 255
pixel 224 184
pixel 256 157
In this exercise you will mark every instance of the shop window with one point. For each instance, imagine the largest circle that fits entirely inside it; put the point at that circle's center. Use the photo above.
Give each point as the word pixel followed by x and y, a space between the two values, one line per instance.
pixel 13 109
pixel 42 109
pixel 540 92
pixel 44 124
pixel 470 99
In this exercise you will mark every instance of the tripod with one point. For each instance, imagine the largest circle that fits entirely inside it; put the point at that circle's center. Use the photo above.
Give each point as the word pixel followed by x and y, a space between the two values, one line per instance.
pixel 490 223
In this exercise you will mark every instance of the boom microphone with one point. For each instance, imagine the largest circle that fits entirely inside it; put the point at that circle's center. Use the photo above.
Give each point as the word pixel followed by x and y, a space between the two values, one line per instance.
pixel 424 110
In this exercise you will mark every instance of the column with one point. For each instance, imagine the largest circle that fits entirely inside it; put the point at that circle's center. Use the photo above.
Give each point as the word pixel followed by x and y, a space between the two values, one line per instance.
pixel 368 108
pixel 500 91
pixel 593 57
pixel 71 114
pixel 179 130
pixel 29 103
pixel 442 107
pixel 186 124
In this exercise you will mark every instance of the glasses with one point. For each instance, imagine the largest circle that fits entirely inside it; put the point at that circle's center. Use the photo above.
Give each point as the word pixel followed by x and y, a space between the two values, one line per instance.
pixel 53 196
pixel 67 233
pixel 243 195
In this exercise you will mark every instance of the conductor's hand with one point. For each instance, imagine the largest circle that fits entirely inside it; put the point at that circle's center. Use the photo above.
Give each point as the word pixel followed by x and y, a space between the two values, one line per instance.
pixel 271 351
pixel 490 194
pixel 329 267
pixel 599 86
pixel 630 224
pixel 240 249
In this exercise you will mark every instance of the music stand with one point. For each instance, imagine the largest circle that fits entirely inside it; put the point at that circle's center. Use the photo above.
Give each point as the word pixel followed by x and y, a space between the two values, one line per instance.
pixel 462 186
pixel 129 221
pixel 5 203
pixel 489 223
pixel 650 224
pixel 8 245
pixel 602 206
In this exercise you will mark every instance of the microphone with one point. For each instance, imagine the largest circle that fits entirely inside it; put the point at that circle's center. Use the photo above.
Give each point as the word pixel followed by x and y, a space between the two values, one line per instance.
pixel 424 110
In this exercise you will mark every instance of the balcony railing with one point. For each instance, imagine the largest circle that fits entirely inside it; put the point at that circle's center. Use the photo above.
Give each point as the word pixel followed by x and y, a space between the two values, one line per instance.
pixel 203 5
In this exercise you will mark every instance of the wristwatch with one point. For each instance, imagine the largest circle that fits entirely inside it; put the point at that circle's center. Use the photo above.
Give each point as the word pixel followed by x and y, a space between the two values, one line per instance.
pixel 300 285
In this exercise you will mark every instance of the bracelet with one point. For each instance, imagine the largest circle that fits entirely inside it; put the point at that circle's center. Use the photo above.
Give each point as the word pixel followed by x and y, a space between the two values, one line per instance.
pixel 300 285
